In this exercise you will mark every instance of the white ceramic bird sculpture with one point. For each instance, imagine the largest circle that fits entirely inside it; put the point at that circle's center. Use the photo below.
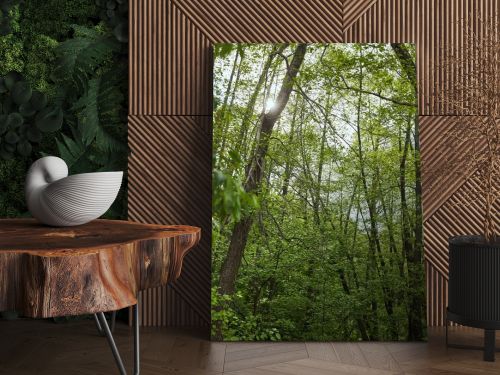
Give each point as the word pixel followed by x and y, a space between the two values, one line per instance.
pixel 56 199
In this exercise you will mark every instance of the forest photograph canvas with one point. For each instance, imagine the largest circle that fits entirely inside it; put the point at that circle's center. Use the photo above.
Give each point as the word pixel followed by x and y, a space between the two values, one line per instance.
pixel 317 219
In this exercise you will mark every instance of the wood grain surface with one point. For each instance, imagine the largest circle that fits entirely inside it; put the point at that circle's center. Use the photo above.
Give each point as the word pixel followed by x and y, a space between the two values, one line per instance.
pixel 99 266
pixel 39 347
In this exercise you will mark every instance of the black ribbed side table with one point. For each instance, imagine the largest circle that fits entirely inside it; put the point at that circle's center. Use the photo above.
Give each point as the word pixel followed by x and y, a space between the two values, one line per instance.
pixel 474 288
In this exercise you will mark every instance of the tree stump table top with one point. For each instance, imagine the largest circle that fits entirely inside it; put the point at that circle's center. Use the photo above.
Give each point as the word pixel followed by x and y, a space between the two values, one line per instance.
pixel 100 266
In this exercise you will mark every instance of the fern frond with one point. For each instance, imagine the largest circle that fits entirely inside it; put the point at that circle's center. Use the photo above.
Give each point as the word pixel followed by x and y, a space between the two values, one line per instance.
pixel 75 153
pixel 98 112
pixel 80 56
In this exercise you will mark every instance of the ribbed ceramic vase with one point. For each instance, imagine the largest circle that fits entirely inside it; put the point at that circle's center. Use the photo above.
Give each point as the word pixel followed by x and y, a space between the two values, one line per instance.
pixel 56 199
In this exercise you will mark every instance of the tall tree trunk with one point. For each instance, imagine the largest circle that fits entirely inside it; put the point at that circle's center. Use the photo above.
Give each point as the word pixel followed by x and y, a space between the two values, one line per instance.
pixel 232 262
pixel 415 266
pixel 222 113
pixel 361 322
pixel 225 124
pixel 249 110
pixel 373 235
pixel 288 164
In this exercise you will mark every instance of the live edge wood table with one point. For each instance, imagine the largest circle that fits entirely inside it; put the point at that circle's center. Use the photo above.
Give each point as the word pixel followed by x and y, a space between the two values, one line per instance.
pixel 89 269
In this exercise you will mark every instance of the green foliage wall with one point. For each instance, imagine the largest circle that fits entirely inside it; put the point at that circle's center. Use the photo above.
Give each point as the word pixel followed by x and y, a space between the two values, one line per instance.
pixel 63 91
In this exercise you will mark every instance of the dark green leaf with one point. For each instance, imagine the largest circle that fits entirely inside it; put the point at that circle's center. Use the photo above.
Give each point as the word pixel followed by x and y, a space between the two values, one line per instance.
pixel 11 137
pixel 24 148
pixel 49 119
pixel 38 100
pixel 4 154
pixel 33 134
pixel 3 123
pixel 81 55
pixel 11 78
pixel 98 113
pixel 8 105
pixel 3 88
pixel 21 92
pixel 121 32
pixel 27 109
pixel 14 120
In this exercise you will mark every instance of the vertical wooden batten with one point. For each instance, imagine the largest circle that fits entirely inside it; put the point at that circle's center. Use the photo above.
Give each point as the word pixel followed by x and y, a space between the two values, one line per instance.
pixel 169 70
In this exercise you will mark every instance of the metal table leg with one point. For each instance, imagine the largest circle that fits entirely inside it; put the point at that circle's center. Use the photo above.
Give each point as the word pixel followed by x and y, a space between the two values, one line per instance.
pixel 113 324
pixel 103 325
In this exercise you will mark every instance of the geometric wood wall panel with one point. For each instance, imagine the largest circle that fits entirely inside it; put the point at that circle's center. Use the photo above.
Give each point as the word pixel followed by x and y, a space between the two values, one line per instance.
pixel 382 21
pixel 459 215
pixel 170 65
pixel 170 108
pixel 170 169
pixel 265 21
pixel 437 296
pixel 353 10
pixel 436 188
pixel 441 25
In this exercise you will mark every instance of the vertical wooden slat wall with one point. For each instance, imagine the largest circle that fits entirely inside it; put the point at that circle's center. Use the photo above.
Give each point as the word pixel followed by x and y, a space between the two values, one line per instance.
pixel 170 116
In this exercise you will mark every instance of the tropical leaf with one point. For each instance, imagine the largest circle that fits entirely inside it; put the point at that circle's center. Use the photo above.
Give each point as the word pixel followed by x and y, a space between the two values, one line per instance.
pixel 98 112
pixel 80 56
pixel 74 152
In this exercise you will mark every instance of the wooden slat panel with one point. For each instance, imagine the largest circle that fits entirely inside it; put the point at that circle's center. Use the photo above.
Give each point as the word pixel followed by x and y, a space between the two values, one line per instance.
pixel 437 296
pixel 439 185
pixel 382 21
pixel 441 28
pixel 170 169
pixel 170 65
pixel 264 21
pixel 353 10
pixel 460 214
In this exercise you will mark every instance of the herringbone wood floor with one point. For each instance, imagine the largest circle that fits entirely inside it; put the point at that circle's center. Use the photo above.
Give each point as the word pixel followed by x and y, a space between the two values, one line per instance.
pixel 42 347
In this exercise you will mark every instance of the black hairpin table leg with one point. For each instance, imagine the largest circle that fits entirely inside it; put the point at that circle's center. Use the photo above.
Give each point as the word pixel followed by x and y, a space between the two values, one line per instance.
pixel 98 325
pixel 103 325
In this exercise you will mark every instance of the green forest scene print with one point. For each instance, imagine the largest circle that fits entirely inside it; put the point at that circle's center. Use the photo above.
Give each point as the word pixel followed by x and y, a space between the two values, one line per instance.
pixel 316 194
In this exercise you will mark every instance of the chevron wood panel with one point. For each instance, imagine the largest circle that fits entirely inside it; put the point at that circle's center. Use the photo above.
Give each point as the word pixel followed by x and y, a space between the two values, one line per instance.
pixel 435 154
pixel 170 182
pixel 461 214
pixel 353 10
pixel 382 21
pixel 264 21
pixel 170 65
